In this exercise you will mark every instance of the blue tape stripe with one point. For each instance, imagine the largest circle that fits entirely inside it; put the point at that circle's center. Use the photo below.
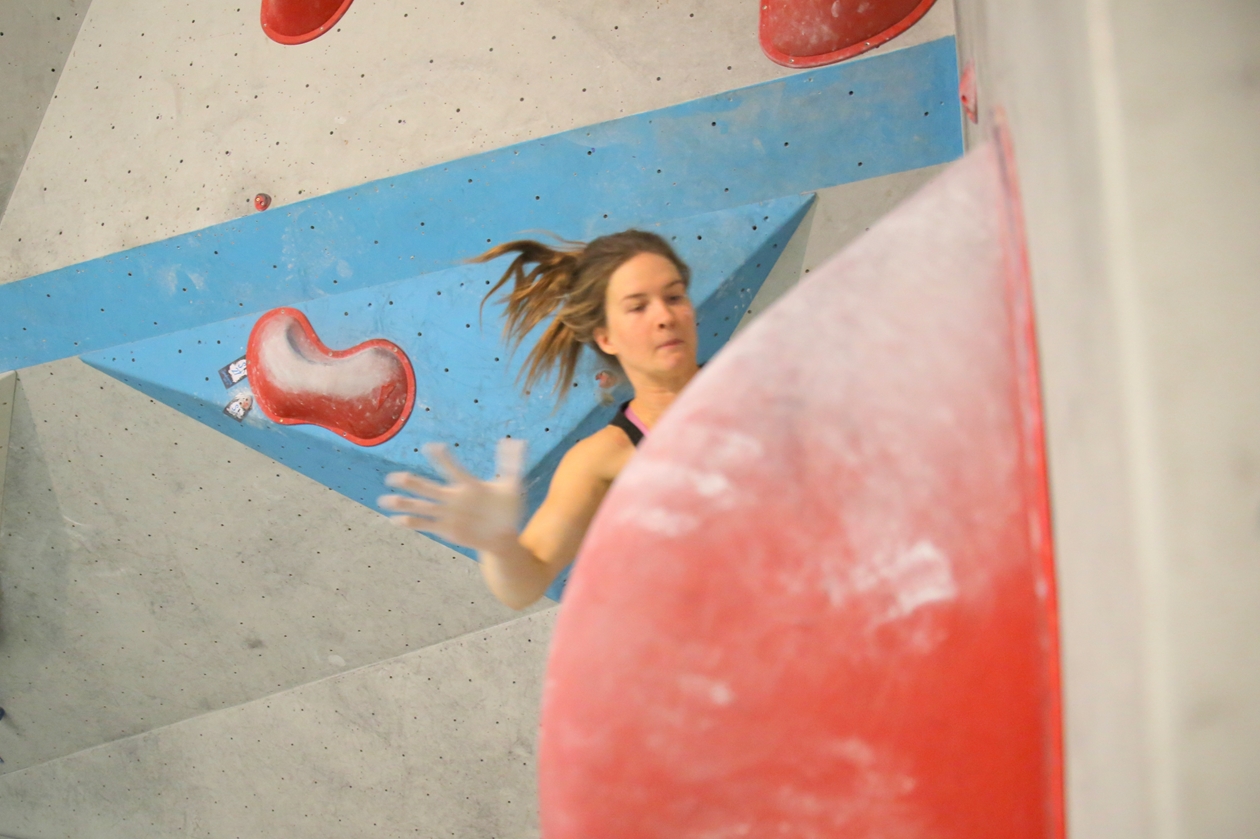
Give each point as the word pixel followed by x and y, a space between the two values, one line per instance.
pixel 834 125
pixel 860 119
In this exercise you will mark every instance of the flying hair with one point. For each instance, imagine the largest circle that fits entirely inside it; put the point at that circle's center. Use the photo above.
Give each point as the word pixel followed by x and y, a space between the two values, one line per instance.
pixel 569 284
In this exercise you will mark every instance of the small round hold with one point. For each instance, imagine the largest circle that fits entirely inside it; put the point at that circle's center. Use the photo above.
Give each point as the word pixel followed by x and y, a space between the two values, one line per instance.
pixel 605 379
pixel 262 201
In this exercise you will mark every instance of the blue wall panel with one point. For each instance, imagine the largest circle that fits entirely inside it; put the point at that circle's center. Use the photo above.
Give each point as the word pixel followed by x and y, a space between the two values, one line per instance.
pixel 860 119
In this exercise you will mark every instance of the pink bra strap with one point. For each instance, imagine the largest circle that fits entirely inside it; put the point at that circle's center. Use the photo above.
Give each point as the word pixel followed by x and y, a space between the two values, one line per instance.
pixel 634 418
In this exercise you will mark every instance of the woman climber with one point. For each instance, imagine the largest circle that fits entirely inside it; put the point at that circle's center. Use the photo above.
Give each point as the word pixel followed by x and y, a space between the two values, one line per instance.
pixel 625 296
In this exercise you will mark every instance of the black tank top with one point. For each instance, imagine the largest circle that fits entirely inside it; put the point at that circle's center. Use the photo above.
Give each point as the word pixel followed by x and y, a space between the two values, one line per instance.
pixel 628 422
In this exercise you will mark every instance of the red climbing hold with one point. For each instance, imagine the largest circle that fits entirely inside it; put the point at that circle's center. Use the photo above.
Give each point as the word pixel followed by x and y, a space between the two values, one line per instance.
pixel 262 201
pixel 808 33
pixel 819 601
pixel 299 21
pixel 365 393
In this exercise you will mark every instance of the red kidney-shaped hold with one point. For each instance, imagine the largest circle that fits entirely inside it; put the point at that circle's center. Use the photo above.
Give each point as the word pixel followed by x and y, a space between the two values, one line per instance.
pixel 262 201
pixel 365 393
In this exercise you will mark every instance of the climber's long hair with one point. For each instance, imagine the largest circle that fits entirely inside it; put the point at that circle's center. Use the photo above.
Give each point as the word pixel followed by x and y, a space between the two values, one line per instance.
pixel 567 283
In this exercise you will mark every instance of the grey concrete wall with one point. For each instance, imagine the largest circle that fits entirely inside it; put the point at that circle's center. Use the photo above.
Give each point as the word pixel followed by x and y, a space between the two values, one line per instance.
pixel 839 215
pixel 1135 125
pixel 153 572
pixel 35 38
pixel 436 743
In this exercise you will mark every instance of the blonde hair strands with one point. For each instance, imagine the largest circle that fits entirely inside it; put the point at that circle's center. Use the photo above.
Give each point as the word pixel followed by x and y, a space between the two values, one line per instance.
pixel 569 281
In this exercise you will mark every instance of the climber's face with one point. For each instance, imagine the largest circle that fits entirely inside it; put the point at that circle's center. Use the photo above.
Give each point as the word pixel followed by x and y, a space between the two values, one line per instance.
pixel 650 323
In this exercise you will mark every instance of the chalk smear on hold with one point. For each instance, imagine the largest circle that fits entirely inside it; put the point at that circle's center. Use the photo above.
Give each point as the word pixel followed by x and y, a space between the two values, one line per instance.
pixel 658 520
pixel 291 362
pixel 664 475
pixel 710 690
pixel 918 575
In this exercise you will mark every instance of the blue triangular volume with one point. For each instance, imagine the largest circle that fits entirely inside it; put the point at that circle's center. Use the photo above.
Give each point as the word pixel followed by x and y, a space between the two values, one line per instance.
pixel 467 390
